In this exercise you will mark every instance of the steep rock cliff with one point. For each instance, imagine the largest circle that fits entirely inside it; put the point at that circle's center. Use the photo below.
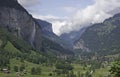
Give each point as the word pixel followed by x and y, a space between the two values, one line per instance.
pixel 18 21
pixel 46 26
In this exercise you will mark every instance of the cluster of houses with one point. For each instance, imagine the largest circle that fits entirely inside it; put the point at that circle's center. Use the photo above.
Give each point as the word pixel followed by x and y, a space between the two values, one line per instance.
pixel 19 74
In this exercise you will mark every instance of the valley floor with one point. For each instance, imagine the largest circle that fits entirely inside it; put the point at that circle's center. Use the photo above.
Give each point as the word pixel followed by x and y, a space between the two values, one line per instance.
pixel 47 70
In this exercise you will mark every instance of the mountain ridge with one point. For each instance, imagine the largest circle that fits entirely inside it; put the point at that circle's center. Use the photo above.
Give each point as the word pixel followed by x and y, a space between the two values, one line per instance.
pixel 101 37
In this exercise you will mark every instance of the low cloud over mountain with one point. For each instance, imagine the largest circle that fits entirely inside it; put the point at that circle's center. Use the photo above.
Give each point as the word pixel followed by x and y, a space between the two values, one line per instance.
pixel 95 12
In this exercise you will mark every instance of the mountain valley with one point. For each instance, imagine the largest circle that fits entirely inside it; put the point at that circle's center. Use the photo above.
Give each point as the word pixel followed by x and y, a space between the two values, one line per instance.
pixel 30 48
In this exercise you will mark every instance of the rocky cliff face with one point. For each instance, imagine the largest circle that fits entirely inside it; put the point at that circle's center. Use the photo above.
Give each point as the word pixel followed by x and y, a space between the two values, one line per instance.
pixel 46 26
pixel 18 21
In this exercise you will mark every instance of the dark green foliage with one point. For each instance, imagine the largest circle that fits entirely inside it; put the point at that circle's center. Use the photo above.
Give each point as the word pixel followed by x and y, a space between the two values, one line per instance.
pixel 64 66
pixel 4 58
pixel 37 58
pixel 36 71
pixel 16 69
pixel 95 65
pixel 90 75
pixel 50 74
pixel 86 74
pixel 82 75
pixel 33 71
pixel 71 74
pixel 22 68
pixel 58 72
pixel 8 66
pixel 115 69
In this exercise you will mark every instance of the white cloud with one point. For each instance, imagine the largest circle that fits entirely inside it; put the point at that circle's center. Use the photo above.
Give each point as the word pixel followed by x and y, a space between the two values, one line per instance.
pixel 95 13
pixel 57 25
pixel 69 9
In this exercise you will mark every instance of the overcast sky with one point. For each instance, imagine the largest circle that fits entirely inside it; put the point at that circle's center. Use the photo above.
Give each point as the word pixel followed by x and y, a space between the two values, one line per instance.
pixel 70 15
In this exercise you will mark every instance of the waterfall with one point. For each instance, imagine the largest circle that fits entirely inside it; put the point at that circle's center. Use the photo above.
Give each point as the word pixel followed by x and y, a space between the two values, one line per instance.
pixel 33 35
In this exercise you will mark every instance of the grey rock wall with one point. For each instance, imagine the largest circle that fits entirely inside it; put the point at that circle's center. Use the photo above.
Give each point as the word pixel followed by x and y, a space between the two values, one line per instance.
pixel 21 24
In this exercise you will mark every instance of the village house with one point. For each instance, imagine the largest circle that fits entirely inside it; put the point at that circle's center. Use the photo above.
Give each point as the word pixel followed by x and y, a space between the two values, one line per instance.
pixel 6 71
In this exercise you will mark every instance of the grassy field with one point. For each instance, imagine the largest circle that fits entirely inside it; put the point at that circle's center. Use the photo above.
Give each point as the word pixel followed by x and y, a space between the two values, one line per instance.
pixel 46 70
pixel 9 47
pixel 13 62
pixel 103 72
